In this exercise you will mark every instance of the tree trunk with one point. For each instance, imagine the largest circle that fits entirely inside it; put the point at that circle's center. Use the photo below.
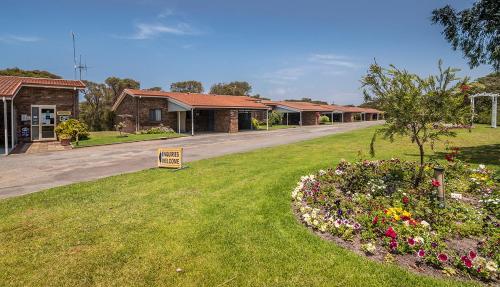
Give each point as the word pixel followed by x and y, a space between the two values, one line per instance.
pixel 420 175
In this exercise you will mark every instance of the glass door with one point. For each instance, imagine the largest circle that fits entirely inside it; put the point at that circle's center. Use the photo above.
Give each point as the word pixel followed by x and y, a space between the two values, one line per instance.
pixel 43 123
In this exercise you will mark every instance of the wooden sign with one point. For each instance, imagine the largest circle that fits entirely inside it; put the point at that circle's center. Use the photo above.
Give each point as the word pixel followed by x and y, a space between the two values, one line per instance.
pixel 170 157
pixel 64 113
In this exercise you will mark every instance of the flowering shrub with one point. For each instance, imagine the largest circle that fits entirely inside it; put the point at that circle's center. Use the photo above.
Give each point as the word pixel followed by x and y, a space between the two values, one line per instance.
pixel 376 203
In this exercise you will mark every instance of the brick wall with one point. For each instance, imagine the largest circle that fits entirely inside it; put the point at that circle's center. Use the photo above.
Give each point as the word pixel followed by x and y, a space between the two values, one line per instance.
pixel 226 121
pixel 126 112
pixel 259 115
pixel 63 99
pixel 310 118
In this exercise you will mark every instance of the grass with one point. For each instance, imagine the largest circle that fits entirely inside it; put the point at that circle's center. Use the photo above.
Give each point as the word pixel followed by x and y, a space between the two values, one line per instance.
pixel 225 221
pixel 112 137
pixel 277 127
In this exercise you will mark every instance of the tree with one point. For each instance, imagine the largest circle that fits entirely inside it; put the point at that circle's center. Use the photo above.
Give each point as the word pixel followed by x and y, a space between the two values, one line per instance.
pixel 417 107
pixel 308 100
pixel 117 85
pixel 234 89
pixel 475 31
pixel 187 87
pixel 154 89
pixel 28 73
pixel 95 110
pixel 490 84
pixel 258 96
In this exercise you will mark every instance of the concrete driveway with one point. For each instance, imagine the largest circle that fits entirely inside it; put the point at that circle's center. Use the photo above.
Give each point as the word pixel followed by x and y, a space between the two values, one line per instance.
pixel 26 173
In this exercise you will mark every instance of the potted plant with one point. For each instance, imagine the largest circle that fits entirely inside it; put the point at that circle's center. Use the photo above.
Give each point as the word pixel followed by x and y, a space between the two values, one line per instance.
pixel 65 139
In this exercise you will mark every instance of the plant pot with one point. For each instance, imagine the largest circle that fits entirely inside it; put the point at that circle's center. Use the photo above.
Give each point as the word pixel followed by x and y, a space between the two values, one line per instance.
pixel 65 142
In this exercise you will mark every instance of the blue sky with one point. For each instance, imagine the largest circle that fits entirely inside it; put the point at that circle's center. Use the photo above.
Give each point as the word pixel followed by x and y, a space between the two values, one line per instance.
pixel 285 49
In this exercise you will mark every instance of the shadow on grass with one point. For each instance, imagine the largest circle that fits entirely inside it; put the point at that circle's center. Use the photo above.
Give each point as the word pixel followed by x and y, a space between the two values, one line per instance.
pixel 484 154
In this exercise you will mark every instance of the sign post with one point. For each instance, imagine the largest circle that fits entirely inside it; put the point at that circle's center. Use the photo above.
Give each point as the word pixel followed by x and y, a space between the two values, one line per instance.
pixel 170 157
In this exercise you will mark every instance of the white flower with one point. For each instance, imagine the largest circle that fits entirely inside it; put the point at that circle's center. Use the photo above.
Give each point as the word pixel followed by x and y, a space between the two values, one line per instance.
pixel 321 172
pixel 369 247
pixel 425 223
pixel 322 227
pixel 315 222
pixel 482 166
pixel 457 196
pixel 491 266
pixel 338 172
pixel 419 240
pixel 337 223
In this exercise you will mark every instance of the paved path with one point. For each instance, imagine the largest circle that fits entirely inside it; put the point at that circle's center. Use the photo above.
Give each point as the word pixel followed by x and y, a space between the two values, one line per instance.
pixel 26 173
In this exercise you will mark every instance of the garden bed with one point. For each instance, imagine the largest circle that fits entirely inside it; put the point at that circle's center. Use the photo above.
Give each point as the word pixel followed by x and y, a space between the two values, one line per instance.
pixel 377 209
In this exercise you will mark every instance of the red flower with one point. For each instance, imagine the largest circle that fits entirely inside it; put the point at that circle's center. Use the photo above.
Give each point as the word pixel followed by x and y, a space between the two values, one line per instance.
pixel 466 261
pixel 393 245
pixel 375 220
pixel 442 257
pixel 406 200
pixel 391 233
pixel 412 222
pixel 464 88
pixel 421 253
pixel 449 157
pixel 405 218
pixel 410 241
pixel 436 183
pixel 472 255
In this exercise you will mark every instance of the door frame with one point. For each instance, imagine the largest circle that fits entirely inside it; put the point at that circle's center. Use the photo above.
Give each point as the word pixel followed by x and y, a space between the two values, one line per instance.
pixel 40 107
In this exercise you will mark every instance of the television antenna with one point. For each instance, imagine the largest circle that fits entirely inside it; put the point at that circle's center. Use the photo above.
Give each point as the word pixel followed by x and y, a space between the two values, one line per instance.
pixel 78 67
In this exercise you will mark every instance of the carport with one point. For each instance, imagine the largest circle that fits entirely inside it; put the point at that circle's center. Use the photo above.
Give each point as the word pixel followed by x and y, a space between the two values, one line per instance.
pixel 301 113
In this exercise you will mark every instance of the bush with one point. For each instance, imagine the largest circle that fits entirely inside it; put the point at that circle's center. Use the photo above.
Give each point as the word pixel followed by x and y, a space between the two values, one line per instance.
pixel 275 118
pixel 255 123
pixel 158 130
pixel 72 128
pixel 324 119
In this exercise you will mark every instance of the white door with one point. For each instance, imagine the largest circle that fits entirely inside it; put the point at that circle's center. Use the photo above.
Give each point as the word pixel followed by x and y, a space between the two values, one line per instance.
pixel 182 122
pixel 43 123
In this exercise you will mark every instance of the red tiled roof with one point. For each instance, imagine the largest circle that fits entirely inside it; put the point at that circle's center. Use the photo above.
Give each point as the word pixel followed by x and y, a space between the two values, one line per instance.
pixel 304 106
pixel 202 100
pixel 9 85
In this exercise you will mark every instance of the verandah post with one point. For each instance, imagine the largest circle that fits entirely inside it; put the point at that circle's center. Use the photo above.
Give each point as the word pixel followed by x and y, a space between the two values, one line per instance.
pixel 6 133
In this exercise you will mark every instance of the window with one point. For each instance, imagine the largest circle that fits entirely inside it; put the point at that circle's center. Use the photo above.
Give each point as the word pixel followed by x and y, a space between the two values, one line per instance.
pixel 155 115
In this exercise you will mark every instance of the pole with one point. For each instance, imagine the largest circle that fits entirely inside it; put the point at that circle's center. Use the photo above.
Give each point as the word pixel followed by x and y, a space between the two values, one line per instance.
pixel 332 118
pixel 192 122
pixel 494 100
pixel 342 116
pixel 6 133
pixel 287 119
pixel 300 119
pixel 473 108
pixel 178 122
pixel 12 122
pixel 267 120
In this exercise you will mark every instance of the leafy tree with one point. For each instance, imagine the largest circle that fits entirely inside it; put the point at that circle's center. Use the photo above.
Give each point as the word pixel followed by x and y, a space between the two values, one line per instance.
pixel 416 107
pixel 154 89
pixel 475 31
pixel 117 85
pixel 187 87
pixel 95 110
pixel 258 96
pixel 308 100
pixel 233 89
pixel 28 73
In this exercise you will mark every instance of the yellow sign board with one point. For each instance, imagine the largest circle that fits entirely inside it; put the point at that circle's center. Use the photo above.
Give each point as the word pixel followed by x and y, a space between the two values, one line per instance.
pixel 170 157
pixel 64 113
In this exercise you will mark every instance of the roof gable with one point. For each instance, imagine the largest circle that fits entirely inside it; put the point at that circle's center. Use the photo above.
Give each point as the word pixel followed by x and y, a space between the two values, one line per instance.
pixel 10 85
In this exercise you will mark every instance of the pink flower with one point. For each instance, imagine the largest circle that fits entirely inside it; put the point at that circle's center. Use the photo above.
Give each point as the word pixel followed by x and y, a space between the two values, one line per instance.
pixel 421 253
pixel 410 241
pixel 393 245
pixel 391 233
pixel 436 183
pixel 472 255
pixel 375 220
pixel 406 200
pixel 442 257
pixel 466 261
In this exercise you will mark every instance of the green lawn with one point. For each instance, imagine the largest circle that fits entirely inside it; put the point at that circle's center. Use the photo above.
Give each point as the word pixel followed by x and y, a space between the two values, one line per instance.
pixel 277 127
pixel 225 221
pixel 112 137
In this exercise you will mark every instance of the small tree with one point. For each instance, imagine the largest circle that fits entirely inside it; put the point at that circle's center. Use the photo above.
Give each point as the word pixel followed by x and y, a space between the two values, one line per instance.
pixel 120 126
pixel 416 107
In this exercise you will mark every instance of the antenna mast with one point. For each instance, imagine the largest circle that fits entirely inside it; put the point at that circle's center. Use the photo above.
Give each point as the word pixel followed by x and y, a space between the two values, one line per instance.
pixel 74 53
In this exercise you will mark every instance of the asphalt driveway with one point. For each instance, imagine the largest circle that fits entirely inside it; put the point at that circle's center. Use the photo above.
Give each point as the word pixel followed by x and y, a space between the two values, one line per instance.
pixel 26 173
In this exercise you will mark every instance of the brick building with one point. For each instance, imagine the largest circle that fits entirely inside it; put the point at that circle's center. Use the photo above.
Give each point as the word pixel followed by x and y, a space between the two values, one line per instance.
pixel 32 107
pixel 186 112
pixel 303 113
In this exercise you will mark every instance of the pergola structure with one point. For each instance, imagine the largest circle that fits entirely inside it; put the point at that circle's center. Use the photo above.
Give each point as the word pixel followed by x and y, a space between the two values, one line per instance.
pixel 494 103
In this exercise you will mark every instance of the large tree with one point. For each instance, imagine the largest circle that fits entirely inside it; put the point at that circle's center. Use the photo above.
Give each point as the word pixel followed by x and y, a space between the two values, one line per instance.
pixel 95 109
pixel 417 107
pixel 187 87
pixel 117 85
pixel 28 73
pixel 475 31
pixel 235 88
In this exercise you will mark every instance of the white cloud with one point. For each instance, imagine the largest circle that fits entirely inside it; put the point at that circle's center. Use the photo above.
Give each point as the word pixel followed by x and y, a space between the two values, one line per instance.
pixel 19 39
pixel 165 13
pixel 149 31
pixel 332 60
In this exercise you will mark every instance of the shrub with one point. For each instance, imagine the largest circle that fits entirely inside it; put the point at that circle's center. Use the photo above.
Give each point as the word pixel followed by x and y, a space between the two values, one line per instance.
pixel 120 126
pixel 324 119
pixel 157 130
pixel 275 118
pixel 75 129
pixel 255 123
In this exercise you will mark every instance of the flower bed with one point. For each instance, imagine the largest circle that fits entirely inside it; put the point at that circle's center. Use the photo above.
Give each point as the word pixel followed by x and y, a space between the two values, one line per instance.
pixel 373 207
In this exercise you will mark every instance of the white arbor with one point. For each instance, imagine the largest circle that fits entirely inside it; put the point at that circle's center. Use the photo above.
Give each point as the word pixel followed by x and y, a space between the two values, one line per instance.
pixel 494 101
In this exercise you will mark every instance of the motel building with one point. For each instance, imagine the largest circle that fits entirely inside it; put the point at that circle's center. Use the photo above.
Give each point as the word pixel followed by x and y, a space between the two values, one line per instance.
pixel 187 112
pixel 32 107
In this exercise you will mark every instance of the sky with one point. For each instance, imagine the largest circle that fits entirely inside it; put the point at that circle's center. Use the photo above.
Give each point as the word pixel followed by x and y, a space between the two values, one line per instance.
pixel 284 49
